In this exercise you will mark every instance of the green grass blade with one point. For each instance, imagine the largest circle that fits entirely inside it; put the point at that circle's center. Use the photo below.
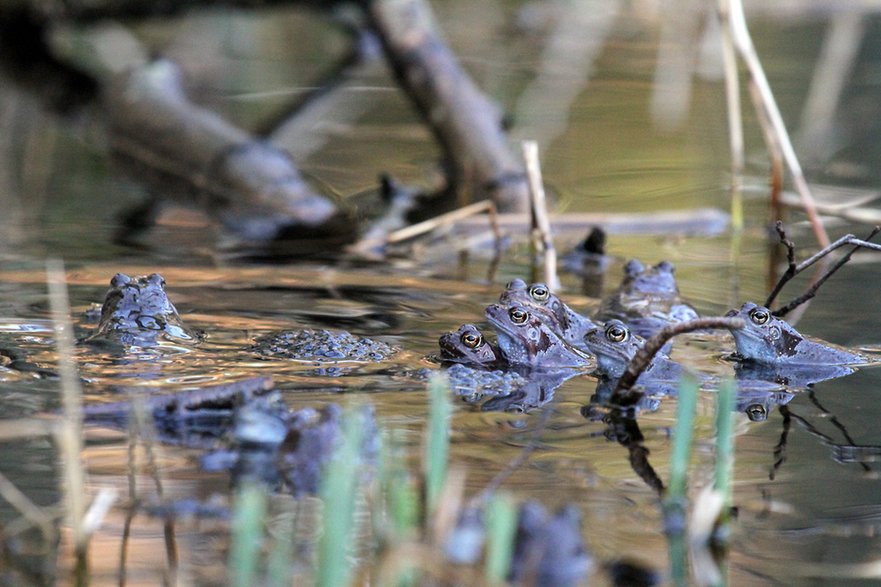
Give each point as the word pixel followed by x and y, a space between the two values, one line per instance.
pixel 246 535
pixel 338 492
pixel 500 530
pixel 437 443
pixel 725 438
pixel 682 433
pixel 674 500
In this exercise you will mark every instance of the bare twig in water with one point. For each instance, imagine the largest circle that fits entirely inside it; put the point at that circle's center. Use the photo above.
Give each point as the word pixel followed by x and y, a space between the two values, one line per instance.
pixel 766 104
pixel 69 433
pixel 790 260
pixel 541 226
pixel 812 291
pixel 794 269
pixel 452 217
pixel 624 395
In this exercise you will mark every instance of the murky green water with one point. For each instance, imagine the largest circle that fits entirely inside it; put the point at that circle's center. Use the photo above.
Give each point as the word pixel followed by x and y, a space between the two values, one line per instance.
pixel 806 515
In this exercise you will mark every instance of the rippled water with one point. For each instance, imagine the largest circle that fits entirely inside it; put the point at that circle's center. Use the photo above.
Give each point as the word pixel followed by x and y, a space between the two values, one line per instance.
pixel 807 514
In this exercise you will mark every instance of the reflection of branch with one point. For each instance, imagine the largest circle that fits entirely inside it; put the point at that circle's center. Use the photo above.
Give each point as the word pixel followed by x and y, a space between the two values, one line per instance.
pixel 626 431
pixel 624 395
pixel 780 447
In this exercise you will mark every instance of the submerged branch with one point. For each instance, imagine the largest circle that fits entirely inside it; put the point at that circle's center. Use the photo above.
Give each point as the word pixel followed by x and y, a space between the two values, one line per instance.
pixel 624 395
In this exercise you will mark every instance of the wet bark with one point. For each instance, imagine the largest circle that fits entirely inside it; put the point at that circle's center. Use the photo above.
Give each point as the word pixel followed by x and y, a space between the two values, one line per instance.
pixel 252 188
pixel 465 122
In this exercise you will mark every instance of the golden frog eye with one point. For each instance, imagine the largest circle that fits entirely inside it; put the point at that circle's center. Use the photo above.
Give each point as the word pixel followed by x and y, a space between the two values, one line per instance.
pixel 616 333
pixel 472 340
pixel 539 292
pixel 518 315
pixel 759 316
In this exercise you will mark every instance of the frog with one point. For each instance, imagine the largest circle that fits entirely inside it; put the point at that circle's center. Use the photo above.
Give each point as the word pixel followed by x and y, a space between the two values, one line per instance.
pixel 615 345
pixel 468 345
pixel 647 299
pixel 322 347
pixel 537 297
pixel 138 313
pixel 771 340
pixel 528 338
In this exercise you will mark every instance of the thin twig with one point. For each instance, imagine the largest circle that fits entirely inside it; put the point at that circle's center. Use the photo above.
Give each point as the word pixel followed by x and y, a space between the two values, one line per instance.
pixel 812 291
pixel 31 511
pixel 541 224
pixel 847 239
pixel 790 260
pixel 69 434
pixel 452 217
pixel 624 395
pixel 744 45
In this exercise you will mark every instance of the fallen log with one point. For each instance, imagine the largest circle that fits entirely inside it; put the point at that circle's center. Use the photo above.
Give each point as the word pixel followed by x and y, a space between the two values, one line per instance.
pixel 250 187
pixel 464 121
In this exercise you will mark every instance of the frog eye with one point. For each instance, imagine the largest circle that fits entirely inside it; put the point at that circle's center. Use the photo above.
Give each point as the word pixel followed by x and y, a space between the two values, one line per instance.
pixel 759 316
pixel 515 284
pixel 472 340
pixel 518 315
pixel 539 292
pixel 616 333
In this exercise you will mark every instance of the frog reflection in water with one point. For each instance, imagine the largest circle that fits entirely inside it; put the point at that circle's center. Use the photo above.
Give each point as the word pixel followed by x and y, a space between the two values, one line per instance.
pixel 468 345
pixel 768 339
pixel 647 299
pixel 137 312
pixel 537 298
pixel 527 339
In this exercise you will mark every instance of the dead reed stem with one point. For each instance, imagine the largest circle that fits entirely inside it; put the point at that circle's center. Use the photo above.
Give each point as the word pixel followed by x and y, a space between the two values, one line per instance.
pixel 735 116
pixel 69 433
pixel 33 513
pixel 766 104
pixel 541 225
pixel 452 217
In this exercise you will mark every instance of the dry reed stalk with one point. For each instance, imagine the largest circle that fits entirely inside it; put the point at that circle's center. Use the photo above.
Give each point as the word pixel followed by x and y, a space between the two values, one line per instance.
pixel 36 515
pixel 735 116
pixel 743 43
pixel 25 428
pixel 541 225
pixel 452 217
pixel 69 432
